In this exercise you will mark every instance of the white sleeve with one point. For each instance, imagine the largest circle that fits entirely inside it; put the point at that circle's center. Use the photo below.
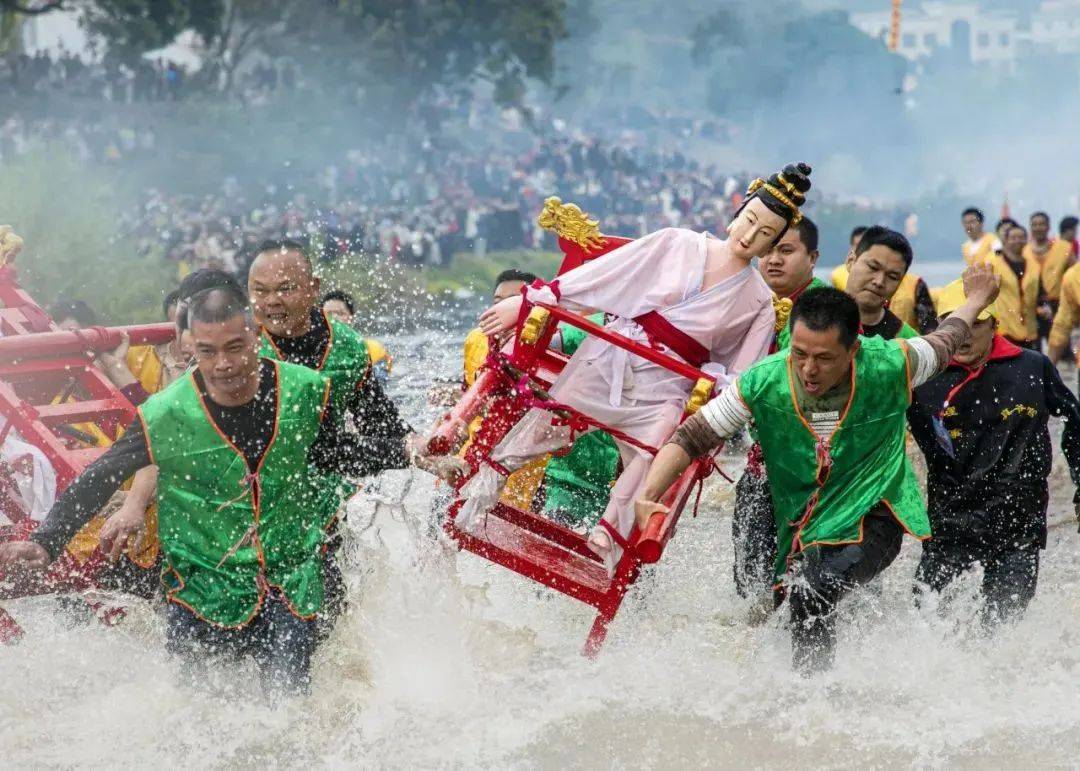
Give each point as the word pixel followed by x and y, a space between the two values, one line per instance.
pixel 638 277
pixel 923 360
pixel 726 414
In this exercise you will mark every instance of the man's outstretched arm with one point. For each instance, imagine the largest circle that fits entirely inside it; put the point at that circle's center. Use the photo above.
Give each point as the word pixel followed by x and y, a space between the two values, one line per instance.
pixel 701 433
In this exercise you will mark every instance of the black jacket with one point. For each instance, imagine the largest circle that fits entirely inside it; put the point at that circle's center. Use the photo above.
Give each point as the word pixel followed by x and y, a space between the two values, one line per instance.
pixel 992 489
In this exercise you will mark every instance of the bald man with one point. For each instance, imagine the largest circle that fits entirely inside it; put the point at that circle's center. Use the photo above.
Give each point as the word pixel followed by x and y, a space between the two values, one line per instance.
pixel 284 293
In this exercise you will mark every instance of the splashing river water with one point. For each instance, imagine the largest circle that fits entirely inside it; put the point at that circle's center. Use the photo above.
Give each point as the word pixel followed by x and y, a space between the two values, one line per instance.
pixel 448 661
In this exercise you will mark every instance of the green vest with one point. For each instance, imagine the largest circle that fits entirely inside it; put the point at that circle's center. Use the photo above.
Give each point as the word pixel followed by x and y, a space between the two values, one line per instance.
pixel 347 364
pixel 906 332
pixel 822 491
pixel 578 484
pixel 783 337
pixel 227 539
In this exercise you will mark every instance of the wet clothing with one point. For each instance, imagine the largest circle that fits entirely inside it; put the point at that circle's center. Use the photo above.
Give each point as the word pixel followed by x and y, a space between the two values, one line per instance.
pixel 280 642
pixel 753 525
pixel 1010 574
pixel 987 481
pixel 753 530
pixel 360 400
pixel 989 485
pixel 839 479
pixel 248 427
pixel 825 573
pixel 831 458
pixel 340 353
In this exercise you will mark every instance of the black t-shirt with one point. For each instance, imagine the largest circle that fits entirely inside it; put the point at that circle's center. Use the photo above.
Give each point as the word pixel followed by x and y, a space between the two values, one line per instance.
pixel 308 349
pixel 887 329
pixel 338 448
pixel 250 427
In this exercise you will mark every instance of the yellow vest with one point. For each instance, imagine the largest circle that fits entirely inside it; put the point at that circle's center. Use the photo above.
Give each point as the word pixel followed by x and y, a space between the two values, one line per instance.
pixel 980 251
pixel 1017 300
pixel 839 277
pixel 902 302
pixel 1052 266
pixel 145 365
pixel 1068 312
pixel 378 355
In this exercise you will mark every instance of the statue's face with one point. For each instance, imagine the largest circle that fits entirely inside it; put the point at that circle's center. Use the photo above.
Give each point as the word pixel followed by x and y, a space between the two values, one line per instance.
pixel 754 231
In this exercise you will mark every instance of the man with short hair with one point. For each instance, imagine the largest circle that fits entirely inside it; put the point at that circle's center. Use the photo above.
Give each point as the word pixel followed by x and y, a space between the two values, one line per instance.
pixel 507 284
pixel 911 301
pixel 284 293
pixel 876 266
pixel 839 274
pixel 982 426
pixel 1067 233
pixel 239 523
pixel 1018 302
pixel 980 245
pixel 1053 256
pixel 339 305
pixel 830 414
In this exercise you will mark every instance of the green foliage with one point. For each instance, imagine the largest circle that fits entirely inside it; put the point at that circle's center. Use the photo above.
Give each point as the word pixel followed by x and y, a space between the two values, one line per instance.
pixel 68 221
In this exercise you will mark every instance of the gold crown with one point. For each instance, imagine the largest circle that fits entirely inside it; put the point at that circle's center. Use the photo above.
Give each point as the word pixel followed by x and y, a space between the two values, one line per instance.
pixel 778 194
pixel 568 221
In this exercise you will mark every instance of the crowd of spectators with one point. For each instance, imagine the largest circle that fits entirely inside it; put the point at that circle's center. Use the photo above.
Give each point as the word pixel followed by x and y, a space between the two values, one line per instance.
pixel 441 204
pixel 419 198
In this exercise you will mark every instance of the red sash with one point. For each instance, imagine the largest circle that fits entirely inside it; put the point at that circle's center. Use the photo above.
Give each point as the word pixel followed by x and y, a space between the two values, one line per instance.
pixel 661 331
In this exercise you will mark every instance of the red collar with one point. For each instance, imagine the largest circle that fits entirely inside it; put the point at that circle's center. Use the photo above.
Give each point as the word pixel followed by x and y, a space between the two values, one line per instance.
pixel 795 295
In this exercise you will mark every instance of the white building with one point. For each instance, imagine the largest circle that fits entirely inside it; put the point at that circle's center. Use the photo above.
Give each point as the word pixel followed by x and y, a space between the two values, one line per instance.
pixel 977 35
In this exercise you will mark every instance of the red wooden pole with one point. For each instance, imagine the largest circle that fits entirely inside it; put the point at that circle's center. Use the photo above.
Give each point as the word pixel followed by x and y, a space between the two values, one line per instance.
pixel 51 344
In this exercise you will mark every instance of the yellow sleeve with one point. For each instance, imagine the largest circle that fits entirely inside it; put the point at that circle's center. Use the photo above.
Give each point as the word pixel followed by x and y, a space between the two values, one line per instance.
pixel 476 351
pixel 839 277
pixel 1066 317
pixel 144 364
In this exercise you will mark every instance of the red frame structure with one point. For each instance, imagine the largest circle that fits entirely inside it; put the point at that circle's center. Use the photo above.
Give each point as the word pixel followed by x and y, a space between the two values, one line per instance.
pixel 38 362
pixel 528 543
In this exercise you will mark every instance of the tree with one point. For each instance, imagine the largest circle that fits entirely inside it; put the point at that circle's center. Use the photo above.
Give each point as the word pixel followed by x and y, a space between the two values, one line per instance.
pixel 404 50
pixel 130 28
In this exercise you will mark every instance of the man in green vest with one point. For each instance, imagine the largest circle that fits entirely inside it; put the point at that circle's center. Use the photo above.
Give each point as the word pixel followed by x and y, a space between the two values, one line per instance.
pixel 240 523
pixel 285 298
pixel 830 414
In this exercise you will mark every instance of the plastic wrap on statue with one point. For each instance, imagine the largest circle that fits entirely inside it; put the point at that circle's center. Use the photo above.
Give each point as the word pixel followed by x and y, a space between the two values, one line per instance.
pixel 37 362
pixel 517 380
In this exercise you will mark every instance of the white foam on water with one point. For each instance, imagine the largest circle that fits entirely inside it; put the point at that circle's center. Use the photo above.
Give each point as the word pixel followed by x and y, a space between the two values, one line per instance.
pixel 448 661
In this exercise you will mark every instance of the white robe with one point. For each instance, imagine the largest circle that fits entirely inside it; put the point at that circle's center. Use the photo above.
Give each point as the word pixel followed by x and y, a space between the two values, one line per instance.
pixel 663 272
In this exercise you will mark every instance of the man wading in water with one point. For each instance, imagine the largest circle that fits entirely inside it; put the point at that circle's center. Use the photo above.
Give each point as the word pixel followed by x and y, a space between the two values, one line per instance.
pixel 831 418
pixel 240 514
